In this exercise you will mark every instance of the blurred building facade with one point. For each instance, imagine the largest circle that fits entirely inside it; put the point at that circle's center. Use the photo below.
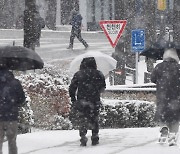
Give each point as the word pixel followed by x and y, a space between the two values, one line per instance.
pixel 92 11
pixel 57 12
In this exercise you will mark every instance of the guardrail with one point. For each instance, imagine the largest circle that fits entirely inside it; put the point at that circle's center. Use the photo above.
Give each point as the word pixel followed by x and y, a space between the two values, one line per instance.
pixel 119 76
pixel 133 92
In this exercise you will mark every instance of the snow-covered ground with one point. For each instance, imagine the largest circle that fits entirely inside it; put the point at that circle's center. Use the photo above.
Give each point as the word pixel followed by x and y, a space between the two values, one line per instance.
pixel 112 141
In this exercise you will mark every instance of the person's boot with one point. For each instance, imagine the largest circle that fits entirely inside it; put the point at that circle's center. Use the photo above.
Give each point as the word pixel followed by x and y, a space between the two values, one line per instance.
pixel 95 139
pixel 172 139
pixel 86 46
pixel 70 47
pixel 83 141
pixel 164 133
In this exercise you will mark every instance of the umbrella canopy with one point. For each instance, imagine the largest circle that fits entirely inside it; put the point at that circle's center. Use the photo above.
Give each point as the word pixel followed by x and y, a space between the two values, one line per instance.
pixel 157 50
pixel 19 58
pixel 104 62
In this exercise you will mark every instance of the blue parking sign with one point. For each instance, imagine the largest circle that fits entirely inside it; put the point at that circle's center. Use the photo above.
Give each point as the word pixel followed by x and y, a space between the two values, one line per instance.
pixel 138 40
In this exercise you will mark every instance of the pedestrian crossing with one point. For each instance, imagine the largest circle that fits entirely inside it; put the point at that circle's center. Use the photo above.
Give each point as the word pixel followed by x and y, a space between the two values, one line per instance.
pixel 52 49
pixel 56 43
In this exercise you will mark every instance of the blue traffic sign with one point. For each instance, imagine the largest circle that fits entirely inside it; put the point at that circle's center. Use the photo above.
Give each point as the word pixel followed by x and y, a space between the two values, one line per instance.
pixel 138 40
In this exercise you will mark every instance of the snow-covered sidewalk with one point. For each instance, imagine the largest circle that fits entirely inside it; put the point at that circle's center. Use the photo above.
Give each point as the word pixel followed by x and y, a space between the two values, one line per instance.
pixel 112 141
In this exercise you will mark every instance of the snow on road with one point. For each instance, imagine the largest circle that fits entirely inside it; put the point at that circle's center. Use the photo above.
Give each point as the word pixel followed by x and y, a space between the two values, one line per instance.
pixel 112 141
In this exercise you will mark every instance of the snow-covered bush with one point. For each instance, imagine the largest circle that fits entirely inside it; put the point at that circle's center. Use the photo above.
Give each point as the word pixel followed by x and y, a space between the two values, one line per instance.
pixel 114 116
pixel 47 89
pixel 146 113
pixel 133 114
pixel 120 114
pixel 50 103
pixel 25 119
pixel 61 123
pixel 123 114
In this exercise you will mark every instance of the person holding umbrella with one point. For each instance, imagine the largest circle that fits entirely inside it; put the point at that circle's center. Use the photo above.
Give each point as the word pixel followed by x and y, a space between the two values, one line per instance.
pixel 11 98
pixel 86 86
pixel 166 76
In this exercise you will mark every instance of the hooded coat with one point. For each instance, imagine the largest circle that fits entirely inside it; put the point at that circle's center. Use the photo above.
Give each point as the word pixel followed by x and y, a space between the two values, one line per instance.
pixel 11 96
pixel 166 76
pixel 76 20
pixel 88 82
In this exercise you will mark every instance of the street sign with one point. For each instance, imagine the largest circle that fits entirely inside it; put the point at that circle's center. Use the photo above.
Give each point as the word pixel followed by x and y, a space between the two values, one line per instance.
pixel 113 29
pixel 138 40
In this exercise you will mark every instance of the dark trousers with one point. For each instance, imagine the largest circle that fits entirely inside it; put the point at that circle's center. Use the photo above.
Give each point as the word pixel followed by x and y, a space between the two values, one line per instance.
pixel 29 43
pixel 89 121
pixel 38 36
pixel 76 33
pixel 10 128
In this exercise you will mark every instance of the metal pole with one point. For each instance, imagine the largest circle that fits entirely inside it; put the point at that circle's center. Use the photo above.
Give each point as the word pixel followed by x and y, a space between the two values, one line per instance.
pixel 138 9
pixel 137 59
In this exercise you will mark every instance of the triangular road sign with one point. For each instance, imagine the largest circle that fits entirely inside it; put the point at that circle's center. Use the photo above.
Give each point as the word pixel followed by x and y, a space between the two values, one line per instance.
pixel 113 29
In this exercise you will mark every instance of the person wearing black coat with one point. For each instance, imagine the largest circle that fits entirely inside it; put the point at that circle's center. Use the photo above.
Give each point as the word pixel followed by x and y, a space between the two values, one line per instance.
pixel 76 23
pixel 32 27
pixel 166 76
pixel 11 98
pixel 29 29
pixel 39 25
pixel 86 86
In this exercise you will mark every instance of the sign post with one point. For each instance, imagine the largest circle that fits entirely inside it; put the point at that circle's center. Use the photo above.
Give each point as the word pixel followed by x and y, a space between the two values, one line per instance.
pixel 113 29
pixel 138 45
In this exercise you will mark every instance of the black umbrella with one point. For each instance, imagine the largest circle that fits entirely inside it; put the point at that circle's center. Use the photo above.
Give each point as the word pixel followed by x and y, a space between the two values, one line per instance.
pixel 19 58
pixel 156 51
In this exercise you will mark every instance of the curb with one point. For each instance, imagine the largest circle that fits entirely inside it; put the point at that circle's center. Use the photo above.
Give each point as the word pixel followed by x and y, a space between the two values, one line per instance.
pixel 18 33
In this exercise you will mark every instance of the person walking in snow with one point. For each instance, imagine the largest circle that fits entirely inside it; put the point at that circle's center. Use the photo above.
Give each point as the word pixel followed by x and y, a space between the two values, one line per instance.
pixel 76 23
pixel 88 83
pixel 11 98
pixel 166 76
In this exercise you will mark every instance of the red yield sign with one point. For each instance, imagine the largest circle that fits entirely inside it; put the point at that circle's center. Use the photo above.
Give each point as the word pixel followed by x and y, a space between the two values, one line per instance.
pixel 113 29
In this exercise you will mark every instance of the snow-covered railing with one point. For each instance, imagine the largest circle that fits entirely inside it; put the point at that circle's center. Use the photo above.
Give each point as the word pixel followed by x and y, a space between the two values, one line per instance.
pixel 133 87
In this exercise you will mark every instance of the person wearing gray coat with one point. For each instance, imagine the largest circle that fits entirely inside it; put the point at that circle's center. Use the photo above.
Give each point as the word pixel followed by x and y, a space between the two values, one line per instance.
pixel 166 76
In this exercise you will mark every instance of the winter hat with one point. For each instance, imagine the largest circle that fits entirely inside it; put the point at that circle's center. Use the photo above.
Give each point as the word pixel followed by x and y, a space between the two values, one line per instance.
pixel 171 53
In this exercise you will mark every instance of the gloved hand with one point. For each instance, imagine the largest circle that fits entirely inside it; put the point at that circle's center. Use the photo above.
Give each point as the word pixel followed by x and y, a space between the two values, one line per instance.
pixel 73 100
pixel 73 103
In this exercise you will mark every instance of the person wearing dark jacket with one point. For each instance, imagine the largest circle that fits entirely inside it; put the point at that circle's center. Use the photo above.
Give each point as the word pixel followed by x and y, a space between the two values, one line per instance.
pixel 32 28
pixel 29 30
pixel 39 24
pixel 86 86
pixel 76 23
pixel 166 76
pixel 11 98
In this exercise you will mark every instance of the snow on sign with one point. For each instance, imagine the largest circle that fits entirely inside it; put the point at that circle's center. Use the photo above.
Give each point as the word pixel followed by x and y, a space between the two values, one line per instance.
pixel 113 29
